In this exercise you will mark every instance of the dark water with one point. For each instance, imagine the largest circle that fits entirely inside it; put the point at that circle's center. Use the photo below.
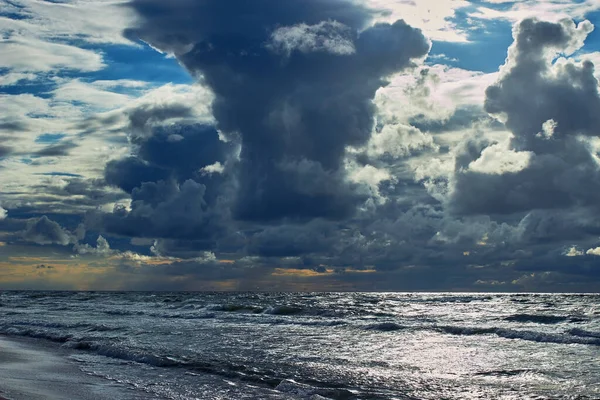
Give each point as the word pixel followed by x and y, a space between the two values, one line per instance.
pixel 323 345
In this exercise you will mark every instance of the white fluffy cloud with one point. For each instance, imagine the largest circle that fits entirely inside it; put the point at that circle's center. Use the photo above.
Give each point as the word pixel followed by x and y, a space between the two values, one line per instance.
pixel 500 159
pixel 545 10
pixel 593 251
pixel 30 54
pixel 102 248
pixel 434 93
pixel 326 36
pixel 399 140
pixel 432 16
pixel 573 251
pixel 91 94
pixel 94 21
pixel 13 78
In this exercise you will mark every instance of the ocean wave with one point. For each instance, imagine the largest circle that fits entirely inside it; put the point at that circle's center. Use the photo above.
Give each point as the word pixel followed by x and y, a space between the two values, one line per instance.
pixel 385 327
pixel 533 336
pixel 119 312
pixel 445 299
pixel 323 323
pixel 276 309
pixel 306 388
pixel 58 337
pixel 54 331
pixel 542 318
pixel 104 328
pixel 188 316
pixel 52 325
pixel 283 310
pixel 235 308
pixel 507 372
pixel 122 353
pixel 583 333
pixel 305 391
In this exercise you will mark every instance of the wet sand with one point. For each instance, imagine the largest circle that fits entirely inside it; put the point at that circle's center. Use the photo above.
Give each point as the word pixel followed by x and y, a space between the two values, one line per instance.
pixel 33 371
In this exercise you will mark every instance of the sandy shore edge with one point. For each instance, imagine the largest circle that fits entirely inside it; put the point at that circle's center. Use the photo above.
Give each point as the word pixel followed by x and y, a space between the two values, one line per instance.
pixel 33 370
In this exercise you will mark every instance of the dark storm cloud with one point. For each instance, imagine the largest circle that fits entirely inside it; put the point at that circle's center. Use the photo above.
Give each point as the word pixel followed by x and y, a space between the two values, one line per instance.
pixel 5 150
pixel 45 231
pixel 548 106
pixel 530 96
pixel 168 183
pixel 129 173
pixel 292 240
pixel 295 79
pixel 176 151
pixel 164 209
pixel 183 149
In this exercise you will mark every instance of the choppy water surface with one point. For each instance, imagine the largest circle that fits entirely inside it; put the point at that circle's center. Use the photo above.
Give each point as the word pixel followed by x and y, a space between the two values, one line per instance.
pixel 323 345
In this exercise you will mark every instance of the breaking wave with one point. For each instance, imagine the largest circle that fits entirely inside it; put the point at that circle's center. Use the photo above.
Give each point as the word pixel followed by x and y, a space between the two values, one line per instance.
pixel 385 327
pixel 542 318
pixel 583 333
pixel 533 336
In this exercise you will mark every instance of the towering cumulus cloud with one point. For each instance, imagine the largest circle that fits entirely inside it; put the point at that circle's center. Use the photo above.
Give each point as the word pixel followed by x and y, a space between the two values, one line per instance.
pixel 293 84
pixel 551 107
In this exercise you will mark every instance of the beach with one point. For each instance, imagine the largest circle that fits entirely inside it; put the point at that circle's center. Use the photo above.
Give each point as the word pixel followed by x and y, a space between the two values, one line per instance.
pixel 31 370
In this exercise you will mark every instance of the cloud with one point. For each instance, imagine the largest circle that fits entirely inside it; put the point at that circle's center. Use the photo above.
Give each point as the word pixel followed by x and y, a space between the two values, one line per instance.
pixel 163 105
pixel 93 21
pixel 294 114
pixel 44 231
pixel 164 209
pixel 593 251
pixel 56 150
pixel 102 248
pixel 434 17
pixel 317 146
pixel 327 36
pixel 13 78
pixel 27 54
pixel 5 150
pixel 435 94
pixel 159 157
pixel 216 168
pixel 575 252
pixel 290 240
pixel 400 140
pixel 554 169
pixel 498 160
pixel 93 94
pixel 552 11
pixel 46 137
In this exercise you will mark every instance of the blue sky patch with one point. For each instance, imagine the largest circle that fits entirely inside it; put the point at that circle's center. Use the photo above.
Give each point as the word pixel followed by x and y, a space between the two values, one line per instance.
pixel 49 138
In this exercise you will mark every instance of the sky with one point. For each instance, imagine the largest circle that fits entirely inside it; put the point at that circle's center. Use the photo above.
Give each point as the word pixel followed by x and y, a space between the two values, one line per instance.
pixel 303 145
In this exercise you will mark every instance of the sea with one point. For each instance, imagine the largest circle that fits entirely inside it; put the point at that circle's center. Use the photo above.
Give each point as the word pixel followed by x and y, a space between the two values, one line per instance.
pixel 321 345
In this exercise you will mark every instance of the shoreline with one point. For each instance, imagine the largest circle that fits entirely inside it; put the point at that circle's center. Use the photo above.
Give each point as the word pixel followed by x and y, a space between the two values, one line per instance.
pixel 31 370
